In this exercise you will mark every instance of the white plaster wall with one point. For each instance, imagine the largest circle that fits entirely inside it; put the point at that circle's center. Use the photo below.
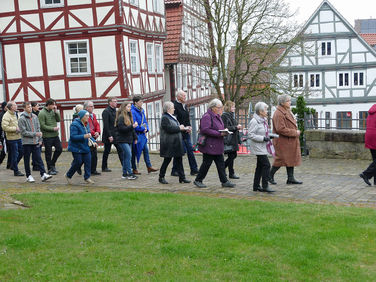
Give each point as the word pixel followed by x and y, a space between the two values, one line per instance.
pixel 12 88
pixel 104 53
pixel 326 27
pixel 102 83
pixel 141 53
pixel 102 12
pixel 50 17
pixel 370 57
pixel 136 86
pixel 328 94
pixel 326 16
pixel 33 59
pixel 357 46
pixel 54 57
pixel 358 93
pixel 342 45
pixel 340 27
pixel 161 85
pixel 152 83
pixel 80 89
pixel 115 91
pixel 327 61
pixel 126 52
pixel 296 61
pixel 343 93
pixel 39 86
pixel 371 75
pixel 33 19
pixel 358 58
pixel 57 89
pixel 12 60
pixel 78 2
pixel 7 6
pixel 4 21
pixel 85 15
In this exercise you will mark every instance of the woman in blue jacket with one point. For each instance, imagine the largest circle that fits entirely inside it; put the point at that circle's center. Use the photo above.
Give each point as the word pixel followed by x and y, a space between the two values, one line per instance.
pixel 80 147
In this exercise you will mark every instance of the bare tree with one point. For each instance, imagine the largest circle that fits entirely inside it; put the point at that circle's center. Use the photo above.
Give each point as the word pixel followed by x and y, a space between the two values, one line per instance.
pixel 255 33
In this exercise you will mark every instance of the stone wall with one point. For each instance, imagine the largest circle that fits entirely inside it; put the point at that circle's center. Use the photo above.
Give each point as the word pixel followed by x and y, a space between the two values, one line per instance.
pixel 337 144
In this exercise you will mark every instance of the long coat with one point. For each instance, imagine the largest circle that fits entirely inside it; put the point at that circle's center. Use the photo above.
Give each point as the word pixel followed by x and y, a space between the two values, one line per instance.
pixel 171 138
pixel 287 146
pixel 231 124
pixel 256 134
pixel 108 118
pixel 370 138
pixel 210 124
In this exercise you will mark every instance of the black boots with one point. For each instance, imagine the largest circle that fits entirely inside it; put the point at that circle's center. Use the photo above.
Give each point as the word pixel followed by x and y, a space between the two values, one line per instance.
pixel 290 176
pixel 271 175
pixel 162 180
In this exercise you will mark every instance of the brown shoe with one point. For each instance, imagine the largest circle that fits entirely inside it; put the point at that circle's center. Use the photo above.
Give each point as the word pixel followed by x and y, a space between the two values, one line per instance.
pixel 135 171
pixel 151 169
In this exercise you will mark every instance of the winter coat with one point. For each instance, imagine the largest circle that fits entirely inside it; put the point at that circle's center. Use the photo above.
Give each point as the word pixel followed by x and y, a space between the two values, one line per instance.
pixel 287 146
pixel 256 134
pixel 48 120
pixel 210 124
pixel 231 124
pixel 108 118
pixel 370 137
pixel 124 133
pixel 29 126
pixel 9 125
pixel 171 138
pixel 2 134
pixel 139 116
pixel 77 142
pixel 94 125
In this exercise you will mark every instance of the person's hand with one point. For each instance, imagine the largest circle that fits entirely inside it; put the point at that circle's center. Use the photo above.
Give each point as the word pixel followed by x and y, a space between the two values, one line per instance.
pixel 298 132
pixel 135 124
pixel 38 134
pixel 96 134
pixel 55 108
pixel 87 135
pixel 145 130
pixel 135 141
pixel 111 139
pixel 18 129
pixel 266 139
pixel 40 143
pixel 95 144
pixel 182 127
pixel 224 133
pixel 56 128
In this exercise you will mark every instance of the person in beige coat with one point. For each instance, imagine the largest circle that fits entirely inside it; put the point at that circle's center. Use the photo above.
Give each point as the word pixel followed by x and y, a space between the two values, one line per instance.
pixel 287 146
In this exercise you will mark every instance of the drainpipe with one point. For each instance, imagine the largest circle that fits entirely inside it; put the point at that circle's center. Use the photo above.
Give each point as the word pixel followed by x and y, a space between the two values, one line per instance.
pixel 2 71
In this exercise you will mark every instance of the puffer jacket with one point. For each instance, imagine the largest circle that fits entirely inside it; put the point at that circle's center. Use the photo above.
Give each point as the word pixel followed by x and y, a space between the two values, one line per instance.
pixel 256 134
pixel 29 126
pixel 48 119
pixel 9 125
pixel 77 142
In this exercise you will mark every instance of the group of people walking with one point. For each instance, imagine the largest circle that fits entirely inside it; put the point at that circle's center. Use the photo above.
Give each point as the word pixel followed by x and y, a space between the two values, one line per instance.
pixel 126 129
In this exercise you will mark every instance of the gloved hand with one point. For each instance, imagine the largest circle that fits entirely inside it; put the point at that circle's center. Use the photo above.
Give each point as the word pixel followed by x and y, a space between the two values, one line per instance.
pixel 266 139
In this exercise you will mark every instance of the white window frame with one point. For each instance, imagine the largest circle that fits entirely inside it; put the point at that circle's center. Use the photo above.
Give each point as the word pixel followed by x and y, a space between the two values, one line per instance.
pixel 53 5
pixel 332 48
pixel 133 2
pixel 159 58
pixel 150 57
pixel 344 73
pixel 68 57
pixel 300 78
pixel 158 6
pixel 358 73
pixel 315 86
pixel 151 122
pixel 134 55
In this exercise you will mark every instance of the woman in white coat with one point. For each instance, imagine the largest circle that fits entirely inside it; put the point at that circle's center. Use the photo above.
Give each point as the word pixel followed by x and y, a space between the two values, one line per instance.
pixel 261 146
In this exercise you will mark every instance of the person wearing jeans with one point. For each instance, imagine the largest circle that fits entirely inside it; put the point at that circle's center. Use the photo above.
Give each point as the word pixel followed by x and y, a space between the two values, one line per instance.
pixel 9 125
pixel 48 119
pixel 31 142
pixel 125 137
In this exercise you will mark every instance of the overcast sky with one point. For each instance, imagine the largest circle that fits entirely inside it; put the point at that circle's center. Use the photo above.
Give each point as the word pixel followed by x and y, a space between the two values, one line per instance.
pixel 350 10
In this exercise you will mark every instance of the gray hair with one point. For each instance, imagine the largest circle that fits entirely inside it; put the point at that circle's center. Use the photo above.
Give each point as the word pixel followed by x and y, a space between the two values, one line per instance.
pixel 87 104
pixel 260 106
pixel 167 105
pixel 215 103
pixel 283 99
pixel 180 93
pixel 78 108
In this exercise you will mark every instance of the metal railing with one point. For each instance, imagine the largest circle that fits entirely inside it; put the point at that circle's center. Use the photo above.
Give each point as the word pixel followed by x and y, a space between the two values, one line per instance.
pixel 311 122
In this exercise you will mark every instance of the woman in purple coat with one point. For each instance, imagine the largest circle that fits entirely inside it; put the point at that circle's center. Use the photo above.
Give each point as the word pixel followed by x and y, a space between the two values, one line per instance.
pixel 210 126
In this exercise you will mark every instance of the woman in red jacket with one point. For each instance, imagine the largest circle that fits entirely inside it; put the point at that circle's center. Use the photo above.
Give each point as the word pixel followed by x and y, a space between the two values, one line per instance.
pixel 370 143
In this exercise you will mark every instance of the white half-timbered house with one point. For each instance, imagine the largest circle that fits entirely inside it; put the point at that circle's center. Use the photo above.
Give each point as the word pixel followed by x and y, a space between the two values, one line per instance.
pixel 185 53
pixel 77 50
pixel 334 67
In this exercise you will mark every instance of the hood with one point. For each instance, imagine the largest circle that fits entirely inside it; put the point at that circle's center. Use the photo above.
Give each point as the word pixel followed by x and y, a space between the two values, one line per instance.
pixel 258 118
pixel 137 109
pixel 25 114
pixel 372 110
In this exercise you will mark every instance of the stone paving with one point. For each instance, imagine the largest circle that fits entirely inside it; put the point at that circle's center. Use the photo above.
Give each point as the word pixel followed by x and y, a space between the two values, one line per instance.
pixel 329 181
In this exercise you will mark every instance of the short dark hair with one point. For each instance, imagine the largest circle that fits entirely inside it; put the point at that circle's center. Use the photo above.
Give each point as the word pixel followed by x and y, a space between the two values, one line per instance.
pixel 136 99
pixel 33 104
pixel 50 102
pixel 3 105
pixel 26 103
pixel 109 99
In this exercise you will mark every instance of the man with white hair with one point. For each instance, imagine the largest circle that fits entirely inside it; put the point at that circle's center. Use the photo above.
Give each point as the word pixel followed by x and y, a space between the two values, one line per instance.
pixel 182 115
pixel 95 132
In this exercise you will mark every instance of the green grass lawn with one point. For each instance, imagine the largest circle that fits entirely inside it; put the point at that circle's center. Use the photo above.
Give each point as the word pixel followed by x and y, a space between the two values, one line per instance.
pixel 141 236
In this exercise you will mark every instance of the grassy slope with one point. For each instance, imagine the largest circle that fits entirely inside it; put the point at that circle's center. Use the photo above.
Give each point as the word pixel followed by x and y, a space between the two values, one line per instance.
pixel 140 236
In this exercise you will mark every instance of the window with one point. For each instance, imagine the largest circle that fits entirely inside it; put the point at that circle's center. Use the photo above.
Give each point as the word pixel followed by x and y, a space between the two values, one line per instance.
pixel 344 120
pixel 184 77
pixel 133 2
pixel 51 3
pixel 358 78
pixel 158 58
pixel 327 120
pixel 363 120
pixel 158 6
pixel 314 80
pixel 298 80
pixel 135 68
pixel 77 57
pixel 150 57
pixel 343 79
pixel 326 48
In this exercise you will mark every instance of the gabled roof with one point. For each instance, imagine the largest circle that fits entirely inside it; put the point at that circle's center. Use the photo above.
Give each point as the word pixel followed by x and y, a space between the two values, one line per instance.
pixel 370 38
pixel 174 20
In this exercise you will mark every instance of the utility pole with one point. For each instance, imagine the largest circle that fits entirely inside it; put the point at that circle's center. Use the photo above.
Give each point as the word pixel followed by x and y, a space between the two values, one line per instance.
pixel 2 71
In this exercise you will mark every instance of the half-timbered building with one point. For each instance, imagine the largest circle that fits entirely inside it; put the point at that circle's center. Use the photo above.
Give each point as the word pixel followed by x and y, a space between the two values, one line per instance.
pixel 186 54
pixel 77 50
pixel 334 67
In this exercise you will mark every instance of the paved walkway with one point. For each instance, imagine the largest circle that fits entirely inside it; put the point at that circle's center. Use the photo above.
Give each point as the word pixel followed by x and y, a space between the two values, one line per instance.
pixel 325 181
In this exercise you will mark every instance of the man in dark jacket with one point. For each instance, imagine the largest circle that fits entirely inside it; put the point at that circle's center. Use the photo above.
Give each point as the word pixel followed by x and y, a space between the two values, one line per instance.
pixel 182 115
pixel 108 118
pixel 35 111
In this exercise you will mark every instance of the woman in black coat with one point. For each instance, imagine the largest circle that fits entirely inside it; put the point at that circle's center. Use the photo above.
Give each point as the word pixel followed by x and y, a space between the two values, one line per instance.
pixel 171 142
pixel 231 141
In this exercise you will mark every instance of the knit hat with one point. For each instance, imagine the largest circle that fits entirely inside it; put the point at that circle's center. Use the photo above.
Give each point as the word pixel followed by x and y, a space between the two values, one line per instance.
pixel 82 113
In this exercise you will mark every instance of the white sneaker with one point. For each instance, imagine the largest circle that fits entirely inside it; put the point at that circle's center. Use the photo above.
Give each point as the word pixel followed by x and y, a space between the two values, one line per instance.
pixel 89 181
pixel 69 180
pixel 45 177
pixel 30 179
